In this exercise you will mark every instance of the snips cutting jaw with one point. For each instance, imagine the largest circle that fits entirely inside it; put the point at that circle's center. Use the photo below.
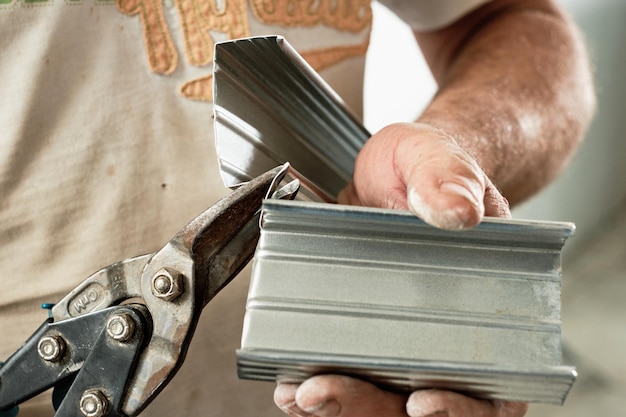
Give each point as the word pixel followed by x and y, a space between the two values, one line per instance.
pixel 144 310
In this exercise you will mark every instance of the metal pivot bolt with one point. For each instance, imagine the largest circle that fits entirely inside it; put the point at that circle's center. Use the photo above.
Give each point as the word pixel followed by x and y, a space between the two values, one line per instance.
pixel 167 284
pixel 120 327
pixel 93 403
pixel 51 348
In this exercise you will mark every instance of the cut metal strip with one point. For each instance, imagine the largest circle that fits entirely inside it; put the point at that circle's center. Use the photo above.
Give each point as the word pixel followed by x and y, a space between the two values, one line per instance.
pixel 271 107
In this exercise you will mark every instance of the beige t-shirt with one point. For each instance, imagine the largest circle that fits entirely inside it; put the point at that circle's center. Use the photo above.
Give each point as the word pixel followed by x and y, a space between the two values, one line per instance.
pixel 106 151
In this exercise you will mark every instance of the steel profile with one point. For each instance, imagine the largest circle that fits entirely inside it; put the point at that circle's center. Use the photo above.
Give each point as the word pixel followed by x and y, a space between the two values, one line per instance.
pixel 380 295
pixel 271 107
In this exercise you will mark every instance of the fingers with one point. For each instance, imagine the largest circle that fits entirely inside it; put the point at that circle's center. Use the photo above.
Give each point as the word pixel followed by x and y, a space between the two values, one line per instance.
pixel 349 196
pixel 417 167
pixel 445 186
pixel 437 403
pixel 338 396
pixel 285 399
pixel 495 203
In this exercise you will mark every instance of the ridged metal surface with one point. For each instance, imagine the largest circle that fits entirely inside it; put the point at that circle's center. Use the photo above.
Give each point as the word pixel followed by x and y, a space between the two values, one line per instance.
pixel 380 294
pixel 272 108
pixel 541 384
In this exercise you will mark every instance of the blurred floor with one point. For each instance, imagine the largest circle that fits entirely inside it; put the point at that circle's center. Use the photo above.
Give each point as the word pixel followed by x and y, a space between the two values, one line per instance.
pixel 594 325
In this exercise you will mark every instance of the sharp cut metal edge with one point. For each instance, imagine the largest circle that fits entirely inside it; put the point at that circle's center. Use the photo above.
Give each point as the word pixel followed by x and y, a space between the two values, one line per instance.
pixel 271 107
pixel 382 295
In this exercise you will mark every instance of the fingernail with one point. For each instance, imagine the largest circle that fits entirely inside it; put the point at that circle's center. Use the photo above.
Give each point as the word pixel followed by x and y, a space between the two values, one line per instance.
pixel 460 190
pixel 330 408
pixel 464 215
pixel 420 412
pixel 293 410
pixel 454 218
pixel 437 414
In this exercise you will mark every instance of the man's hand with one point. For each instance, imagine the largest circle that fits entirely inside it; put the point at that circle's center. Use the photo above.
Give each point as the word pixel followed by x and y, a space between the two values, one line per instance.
pixel 418 167
pixel 340 396
pixel 407 166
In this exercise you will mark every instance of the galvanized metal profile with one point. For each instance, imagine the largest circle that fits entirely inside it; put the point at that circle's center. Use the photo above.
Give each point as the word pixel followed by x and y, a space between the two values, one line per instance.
pixel 381 295
pixel 271 107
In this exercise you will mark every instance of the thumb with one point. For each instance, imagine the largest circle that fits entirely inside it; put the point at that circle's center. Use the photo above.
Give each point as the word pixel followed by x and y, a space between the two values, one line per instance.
pixel 445 185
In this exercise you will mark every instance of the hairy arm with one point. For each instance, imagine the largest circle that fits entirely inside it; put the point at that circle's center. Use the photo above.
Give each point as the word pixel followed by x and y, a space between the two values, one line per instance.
pixel 515 98
pixel 515 90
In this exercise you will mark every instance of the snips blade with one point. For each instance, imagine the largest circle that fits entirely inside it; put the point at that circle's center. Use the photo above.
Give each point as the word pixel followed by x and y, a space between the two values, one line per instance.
pixel 205 255
pixel 172 286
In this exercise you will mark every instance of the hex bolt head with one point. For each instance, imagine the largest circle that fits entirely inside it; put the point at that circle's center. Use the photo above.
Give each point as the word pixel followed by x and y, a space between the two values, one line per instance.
pixel 167 284
pixel 93 403
pixel 120 327
pixel 51 348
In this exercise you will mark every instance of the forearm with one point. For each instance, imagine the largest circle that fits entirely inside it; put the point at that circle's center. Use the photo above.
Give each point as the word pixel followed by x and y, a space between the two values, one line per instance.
pixel 515 91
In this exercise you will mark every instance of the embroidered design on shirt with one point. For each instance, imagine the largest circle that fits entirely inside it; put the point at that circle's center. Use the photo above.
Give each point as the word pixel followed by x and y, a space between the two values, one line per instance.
pixel 202 88
pixel 201 17
pixel 346 15
pixel 198 18
pixel 326 57
pixel 5 4
pixel 162 54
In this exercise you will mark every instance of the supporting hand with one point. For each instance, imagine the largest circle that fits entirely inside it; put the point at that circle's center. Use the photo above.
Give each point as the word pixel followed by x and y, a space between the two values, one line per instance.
pixel 340 396
pixel 418 167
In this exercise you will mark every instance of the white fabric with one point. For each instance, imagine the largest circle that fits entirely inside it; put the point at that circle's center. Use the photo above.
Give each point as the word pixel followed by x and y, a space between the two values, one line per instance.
pixel 426 15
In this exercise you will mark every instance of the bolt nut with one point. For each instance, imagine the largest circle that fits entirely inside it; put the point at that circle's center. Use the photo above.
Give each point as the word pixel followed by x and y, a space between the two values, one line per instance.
pixel 51 348
pixel 120 327
pixel 167 284
pixel 93 403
